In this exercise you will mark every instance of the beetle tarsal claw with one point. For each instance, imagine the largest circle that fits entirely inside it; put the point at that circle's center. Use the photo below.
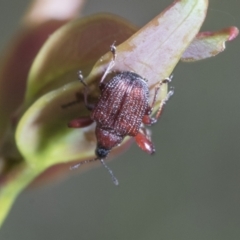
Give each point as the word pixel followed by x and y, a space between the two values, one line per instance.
pixel 168 79
pixel 113 48
pixel 169 94
pixel 114 179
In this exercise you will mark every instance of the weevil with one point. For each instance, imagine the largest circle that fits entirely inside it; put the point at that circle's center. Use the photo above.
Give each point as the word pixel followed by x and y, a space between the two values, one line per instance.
pixel 122 110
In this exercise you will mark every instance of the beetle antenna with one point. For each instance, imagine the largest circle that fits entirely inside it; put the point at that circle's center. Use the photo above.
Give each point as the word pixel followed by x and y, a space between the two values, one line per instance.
pixel 81 163
pixel 113 50
pixel 114 179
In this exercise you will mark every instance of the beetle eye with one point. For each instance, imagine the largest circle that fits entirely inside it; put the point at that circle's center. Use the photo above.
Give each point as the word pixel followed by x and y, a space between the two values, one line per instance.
pixel 101 152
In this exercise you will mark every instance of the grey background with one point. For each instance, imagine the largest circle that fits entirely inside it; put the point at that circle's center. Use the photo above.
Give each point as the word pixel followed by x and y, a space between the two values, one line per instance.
pixel 190 189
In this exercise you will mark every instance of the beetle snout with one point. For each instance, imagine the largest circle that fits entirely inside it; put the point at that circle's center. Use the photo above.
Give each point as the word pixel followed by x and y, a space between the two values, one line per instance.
pixel 101 152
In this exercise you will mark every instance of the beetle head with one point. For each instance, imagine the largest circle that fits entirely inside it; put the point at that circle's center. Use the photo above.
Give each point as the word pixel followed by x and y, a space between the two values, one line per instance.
pixel 101 152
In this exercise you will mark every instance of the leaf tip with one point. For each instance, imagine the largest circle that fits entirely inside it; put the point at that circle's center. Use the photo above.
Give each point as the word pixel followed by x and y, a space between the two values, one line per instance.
pixel 233 33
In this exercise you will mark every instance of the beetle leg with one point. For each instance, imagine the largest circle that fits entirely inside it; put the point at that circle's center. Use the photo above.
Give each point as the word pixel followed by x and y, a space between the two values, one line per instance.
pixel 80 122
pixel 166 80
pixel 111 64
pixel 143 140
pixel 147 119
pixel 89 106
pixel 163 102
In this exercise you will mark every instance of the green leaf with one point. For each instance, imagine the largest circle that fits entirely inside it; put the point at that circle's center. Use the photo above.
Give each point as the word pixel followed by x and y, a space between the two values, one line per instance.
pixel 39 22
pixel 51 141
pixel 13 184
pixel 209 44
pixel 42 135
pixel 75 46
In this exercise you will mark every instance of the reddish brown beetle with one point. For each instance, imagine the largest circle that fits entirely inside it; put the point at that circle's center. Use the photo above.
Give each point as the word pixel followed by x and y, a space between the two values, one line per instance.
pixel 122 110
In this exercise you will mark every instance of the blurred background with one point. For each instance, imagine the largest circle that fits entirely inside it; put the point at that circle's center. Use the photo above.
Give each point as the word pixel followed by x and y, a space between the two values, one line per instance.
pixel 190 189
